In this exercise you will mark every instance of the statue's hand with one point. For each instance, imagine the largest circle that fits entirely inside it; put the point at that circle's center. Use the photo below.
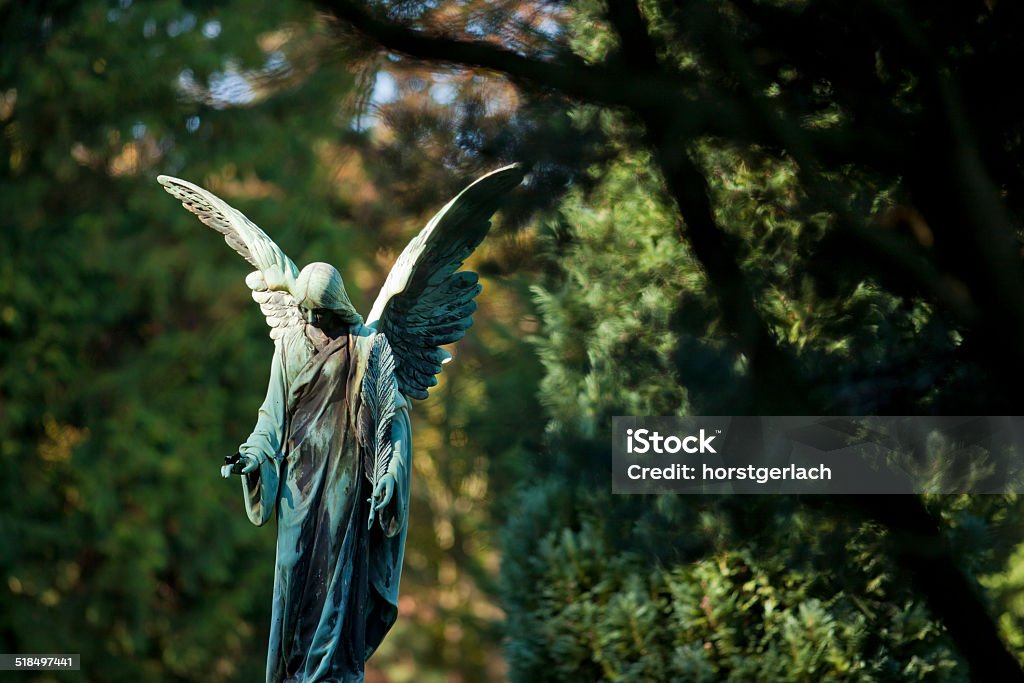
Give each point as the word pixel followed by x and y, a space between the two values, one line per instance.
pixel 382 493
pixel 238 463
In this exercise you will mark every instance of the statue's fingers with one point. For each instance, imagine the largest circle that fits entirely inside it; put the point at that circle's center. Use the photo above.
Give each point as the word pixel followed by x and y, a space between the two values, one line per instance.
pixel 250 466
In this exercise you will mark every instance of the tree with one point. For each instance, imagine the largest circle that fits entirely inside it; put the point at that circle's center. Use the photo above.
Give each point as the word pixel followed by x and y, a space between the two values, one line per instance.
pixel 133 359
pixel 127 370
pixel 871 264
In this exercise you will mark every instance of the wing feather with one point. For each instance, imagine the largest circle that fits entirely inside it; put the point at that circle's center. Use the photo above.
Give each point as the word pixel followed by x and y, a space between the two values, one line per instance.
pixel 279 309
pixel 239 232
pixel 276 273
pixel 377 411
pixel 425 303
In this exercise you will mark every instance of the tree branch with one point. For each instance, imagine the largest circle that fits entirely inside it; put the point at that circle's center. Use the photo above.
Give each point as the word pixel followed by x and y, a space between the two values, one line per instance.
pixel 672 115
pixel 775 383
pixel 637 47
pixel 569 76
pixel 695 111
pixel 924 554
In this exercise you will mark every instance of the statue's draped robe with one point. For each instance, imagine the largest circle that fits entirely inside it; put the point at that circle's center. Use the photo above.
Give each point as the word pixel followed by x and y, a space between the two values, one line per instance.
pixel 336 582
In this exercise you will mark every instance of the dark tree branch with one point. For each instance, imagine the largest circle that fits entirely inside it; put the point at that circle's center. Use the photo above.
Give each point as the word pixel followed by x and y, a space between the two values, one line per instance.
pixel 569 76
pixel 923 553
pixel 961 202
pixel 638 49
pixel 693 109
pixel 775 383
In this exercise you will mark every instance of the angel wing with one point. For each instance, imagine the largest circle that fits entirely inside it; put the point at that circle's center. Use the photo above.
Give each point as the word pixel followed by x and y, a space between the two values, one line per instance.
pixel 274 280
pixel 424 302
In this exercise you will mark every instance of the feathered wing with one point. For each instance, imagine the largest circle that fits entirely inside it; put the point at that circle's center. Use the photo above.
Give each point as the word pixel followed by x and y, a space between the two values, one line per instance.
pixel 273 282
pixel 279 308
pixel 425 303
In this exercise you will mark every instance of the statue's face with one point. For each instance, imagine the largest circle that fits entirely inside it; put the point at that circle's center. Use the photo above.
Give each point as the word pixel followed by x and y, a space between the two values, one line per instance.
pixel 322 318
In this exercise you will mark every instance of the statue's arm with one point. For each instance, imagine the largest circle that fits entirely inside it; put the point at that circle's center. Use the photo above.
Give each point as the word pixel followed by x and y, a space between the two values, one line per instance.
pixel 259 486
pixel 265 441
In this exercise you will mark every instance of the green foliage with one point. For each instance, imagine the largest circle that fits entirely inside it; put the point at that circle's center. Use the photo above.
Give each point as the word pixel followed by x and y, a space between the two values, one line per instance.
pixel 131 358
pixel 601 587
pixel 733 614
pixel 607 316
pixel 129 363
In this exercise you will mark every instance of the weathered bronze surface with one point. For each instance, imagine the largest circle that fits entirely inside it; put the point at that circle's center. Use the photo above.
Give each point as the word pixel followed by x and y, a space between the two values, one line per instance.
pixel 331 452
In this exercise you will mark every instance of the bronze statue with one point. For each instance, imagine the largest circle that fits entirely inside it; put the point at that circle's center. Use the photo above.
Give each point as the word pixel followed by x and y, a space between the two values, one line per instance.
pixel 335 424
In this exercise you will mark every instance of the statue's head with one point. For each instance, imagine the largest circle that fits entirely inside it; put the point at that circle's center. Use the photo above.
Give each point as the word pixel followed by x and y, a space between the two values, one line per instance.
pixel 319 287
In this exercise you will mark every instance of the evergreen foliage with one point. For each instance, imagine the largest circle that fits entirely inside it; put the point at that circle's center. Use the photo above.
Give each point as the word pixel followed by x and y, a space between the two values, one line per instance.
pixel 681 588
pixel 747 207
pixel 754 588
pixel 130 362
pixel 132 359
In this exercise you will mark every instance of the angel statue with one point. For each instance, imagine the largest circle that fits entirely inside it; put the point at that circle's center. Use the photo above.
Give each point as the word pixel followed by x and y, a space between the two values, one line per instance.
pixel 331 449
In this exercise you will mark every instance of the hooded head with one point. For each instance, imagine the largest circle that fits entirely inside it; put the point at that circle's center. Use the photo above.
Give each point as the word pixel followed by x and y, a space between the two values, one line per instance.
pixel 319 287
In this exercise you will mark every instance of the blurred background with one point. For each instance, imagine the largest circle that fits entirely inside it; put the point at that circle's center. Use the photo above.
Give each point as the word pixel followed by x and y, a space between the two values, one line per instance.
pixel 734 208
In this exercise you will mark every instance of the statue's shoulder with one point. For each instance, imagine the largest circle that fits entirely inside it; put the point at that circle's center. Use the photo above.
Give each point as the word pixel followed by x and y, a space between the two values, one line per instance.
pixel 362 339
